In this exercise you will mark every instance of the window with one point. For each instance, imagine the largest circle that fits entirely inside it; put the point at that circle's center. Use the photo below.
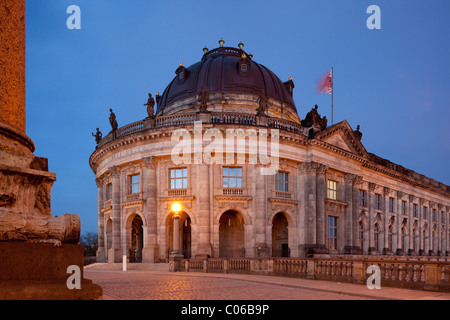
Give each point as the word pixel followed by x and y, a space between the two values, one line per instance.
pixel 332 189
pixel 232 177
pixel 135 183
pixel 415 211
pixel 390 237
pixel 425 212
pixel 404 239
pixel 376 236
pixel 434 215
pixel 244 68
pixel 404 207
pixel 108 191
pixel 391 204
pixel 378 201
pixel 332 233
pixel 361 235
pixel 363 198
pixel 282 181
pixel 178 178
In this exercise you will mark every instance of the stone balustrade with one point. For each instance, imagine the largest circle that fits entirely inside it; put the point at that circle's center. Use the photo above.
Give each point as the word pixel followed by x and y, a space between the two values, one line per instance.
pixel 414 273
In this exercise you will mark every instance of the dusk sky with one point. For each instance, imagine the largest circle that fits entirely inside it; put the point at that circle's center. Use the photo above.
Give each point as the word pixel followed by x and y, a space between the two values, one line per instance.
pixel 394 82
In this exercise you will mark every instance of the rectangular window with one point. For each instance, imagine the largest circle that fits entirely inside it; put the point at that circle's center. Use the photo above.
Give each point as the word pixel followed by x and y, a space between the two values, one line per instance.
pixel 135 183
pixel 378 201
pixel 391 204
pixel 425 212
pixel 363 198
pixel 232 177
pixel 404 207
pixel 332 189
pixel 415 211
pixel 108 191
pixel 178 178
pixel 282 181
pixel 332 233
pixel 434 216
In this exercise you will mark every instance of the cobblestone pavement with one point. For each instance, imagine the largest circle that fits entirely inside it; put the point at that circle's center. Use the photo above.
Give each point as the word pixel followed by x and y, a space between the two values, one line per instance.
pixel 151 285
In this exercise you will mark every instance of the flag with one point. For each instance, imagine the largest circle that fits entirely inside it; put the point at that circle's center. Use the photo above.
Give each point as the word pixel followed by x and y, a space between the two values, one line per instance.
pixel 326 83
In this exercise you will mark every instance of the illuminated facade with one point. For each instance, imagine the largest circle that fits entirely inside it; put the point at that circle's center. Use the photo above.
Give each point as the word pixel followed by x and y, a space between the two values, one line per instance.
pixel 328 196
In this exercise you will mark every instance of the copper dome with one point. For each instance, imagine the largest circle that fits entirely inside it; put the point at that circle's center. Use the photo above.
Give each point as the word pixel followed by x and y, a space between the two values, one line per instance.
pixel 227 70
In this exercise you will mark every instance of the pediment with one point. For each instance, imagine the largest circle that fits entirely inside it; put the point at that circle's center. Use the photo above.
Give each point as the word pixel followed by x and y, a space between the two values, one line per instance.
pixel 342 136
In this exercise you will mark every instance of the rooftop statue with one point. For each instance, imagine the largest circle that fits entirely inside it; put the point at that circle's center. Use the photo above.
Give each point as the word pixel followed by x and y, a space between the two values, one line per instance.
pixel 313 118
pixel 113 121
pixel 98 136
pixel 150 106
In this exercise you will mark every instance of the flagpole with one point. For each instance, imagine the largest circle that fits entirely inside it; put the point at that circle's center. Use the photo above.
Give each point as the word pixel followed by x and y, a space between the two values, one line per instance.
pixel 332 93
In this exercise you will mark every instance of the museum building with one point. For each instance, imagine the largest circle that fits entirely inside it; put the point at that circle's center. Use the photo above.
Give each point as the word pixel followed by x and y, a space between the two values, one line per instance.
pixel 328 195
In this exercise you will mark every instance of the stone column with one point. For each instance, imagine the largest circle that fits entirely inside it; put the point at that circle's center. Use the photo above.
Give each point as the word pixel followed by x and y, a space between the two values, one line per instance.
pixel 355 189
pixel 150 252
pixel 386 217
pixel 115 253
pixel 320 206
pixel 351 214
pixel 308 173
pixel 203 207
pixel 411 224
pixel 101 254
pixel 12 64
pixel 400 249
pixel 421 227
pixel 371 217
pixel 261 249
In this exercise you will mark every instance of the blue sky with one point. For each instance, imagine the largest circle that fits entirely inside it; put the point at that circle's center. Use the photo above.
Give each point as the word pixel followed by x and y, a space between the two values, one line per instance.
pixel 393 82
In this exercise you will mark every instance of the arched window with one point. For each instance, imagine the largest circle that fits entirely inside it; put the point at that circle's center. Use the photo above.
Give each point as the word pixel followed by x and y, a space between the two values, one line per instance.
pixel 376 235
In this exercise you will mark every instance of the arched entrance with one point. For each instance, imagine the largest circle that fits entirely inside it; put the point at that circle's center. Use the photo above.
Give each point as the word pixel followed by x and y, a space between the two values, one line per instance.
pixel 185 234
pixel 108 236
pixel 231 235
pixel 280 236
pixel 137 240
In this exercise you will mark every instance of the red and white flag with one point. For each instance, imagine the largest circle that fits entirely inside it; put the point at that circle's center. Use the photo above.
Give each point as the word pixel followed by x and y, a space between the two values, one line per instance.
pixel 326 83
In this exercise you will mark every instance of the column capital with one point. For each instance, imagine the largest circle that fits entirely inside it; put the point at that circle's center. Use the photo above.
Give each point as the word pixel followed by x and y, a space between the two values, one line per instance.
pixel 150 162
pixel 114 171
pixel 99 182
pixel 400 194
pixel 352 178
pixel 386 191
pixel 372 186
pixel 412 198
pixel 312 167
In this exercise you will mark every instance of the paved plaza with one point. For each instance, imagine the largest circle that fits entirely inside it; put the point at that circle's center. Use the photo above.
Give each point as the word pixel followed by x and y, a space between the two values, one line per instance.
pixel 154 282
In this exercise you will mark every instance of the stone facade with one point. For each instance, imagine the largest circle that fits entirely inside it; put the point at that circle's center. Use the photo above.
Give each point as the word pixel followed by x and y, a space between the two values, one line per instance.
pixel 332 198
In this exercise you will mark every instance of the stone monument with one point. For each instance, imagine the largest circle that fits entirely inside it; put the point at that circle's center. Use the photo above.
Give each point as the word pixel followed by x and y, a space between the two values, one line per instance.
pixel 36 249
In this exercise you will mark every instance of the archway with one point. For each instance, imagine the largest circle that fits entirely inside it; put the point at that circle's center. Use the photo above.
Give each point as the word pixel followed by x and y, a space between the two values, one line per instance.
pixel 108 235
pixel 231 235
pixel 137 239
pixel 184 232
pixel 280 236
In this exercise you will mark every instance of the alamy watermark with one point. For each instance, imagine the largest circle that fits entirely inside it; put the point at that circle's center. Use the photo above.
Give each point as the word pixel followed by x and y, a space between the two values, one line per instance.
pixel 237 145
pixel 374 280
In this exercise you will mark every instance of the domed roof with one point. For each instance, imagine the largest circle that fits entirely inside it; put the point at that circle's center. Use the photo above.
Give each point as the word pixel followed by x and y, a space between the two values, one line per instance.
pixel 227 70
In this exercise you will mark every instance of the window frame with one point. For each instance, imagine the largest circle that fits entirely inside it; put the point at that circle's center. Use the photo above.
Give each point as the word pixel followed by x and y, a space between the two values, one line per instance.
pixel 332 189
pixel 236 178
pixel 175 178
pixel 282 182
pixel 332 232
pixel 134 187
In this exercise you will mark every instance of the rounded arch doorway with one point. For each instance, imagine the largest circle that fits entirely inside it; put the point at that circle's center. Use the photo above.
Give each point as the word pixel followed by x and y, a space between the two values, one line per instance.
pixel 231 235
pixel 137 239
pixel 184 232
pixel 280 236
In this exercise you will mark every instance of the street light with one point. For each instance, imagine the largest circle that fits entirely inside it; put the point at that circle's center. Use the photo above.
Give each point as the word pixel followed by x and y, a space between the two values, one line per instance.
pixel 176 208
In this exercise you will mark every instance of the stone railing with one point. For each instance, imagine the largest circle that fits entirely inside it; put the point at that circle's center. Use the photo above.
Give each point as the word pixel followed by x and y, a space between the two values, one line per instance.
pixel 206 118
pixel 413 273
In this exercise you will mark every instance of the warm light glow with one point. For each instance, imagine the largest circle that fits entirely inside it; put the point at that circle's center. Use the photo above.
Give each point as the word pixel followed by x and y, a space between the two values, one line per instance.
pixel 176 207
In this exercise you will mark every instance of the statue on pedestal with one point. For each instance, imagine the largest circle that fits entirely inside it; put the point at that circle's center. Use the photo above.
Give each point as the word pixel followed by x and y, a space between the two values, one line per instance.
pixel 150 106
pixel 98 136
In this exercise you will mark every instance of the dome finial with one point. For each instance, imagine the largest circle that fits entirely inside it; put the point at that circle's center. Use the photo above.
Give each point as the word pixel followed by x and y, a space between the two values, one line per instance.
pixel 221 42
pixel 241 45
pixel 205 49
pixel 181 64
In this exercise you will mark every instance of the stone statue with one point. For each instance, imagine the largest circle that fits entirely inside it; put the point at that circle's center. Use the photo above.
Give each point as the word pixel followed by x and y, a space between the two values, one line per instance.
pixel 150 106
pixel 313 119
pixel 203 98
pixel 358 133
pixel 261 110
pixel 98 136
pixel 113 121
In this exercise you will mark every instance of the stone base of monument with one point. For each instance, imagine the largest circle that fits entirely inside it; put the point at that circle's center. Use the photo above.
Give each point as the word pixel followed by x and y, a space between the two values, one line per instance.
pixel 39 271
